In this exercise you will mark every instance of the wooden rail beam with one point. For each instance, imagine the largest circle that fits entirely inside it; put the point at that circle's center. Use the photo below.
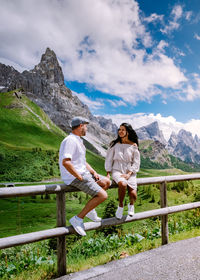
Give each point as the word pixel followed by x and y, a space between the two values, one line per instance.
pixel 164 218
pixel 26 238
pixel 56 188
pixel 61 240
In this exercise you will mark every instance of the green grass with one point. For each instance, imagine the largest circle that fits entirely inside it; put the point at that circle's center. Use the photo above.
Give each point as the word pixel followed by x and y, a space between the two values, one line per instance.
pixel 24 128
pixel 29 214
pixel 96 161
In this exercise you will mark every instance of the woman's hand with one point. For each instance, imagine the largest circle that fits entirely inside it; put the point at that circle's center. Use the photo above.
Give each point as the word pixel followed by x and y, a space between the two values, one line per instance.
pixel 108 175
pixel 126 176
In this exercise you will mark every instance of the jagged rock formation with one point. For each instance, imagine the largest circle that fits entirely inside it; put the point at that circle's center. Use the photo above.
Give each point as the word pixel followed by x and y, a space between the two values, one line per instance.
pixel 155 151
pixel 45 86
pixel 7 75
pixel 152 132
pixel 184 146
pixel 107 124
pixel 181 145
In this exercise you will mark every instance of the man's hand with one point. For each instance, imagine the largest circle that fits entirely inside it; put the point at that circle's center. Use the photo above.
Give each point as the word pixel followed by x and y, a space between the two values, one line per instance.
pixel 80 177
pixel 96 176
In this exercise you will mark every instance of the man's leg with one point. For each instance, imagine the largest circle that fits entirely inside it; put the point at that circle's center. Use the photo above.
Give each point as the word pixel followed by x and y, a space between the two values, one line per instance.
pixel 93 203
pixel 104 182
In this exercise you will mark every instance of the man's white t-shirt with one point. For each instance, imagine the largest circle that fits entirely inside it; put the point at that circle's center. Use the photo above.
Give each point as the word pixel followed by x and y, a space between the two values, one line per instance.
pixel 72 147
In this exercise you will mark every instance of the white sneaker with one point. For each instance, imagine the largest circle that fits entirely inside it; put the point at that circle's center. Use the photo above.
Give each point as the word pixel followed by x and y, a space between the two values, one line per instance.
pixel 119 212
pixel 131 210
pixel 92 215
pixel 78 226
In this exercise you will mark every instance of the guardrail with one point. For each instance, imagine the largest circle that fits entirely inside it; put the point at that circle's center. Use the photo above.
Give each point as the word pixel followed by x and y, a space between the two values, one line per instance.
pixel 61 230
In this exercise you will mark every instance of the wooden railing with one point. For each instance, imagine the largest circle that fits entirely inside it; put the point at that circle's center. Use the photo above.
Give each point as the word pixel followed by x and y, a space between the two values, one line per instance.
pixel 61 230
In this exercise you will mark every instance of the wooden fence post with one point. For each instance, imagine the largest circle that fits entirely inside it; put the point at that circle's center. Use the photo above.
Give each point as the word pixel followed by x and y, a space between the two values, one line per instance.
pixel 61 241
pixel 164 219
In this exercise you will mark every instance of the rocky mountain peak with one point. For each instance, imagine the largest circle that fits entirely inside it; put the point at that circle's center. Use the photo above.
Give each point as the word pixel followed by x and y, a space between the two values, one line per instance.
pixel 107 124
pixel 184 146
pixel 173 140
pixel 7 74
pixel 49 68
pixel 186 137
pixel 151 131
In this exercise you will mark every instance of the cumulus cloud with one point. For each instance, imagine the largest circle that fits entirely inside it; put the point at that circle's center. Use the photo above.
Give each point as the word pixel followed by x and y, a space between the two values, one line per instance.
pixel 166 124
pixel 154 18
pixel 102 43
pixel 117 103
pixel 188 15
pixel 191 90
pixel 196 36
pixel 174 24
pixel 92 104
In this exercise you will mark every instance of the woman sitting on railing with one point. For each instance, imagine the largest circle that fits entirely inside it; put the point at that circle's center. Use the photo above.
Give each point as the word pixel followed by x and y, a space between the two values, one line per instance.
pixel 123 161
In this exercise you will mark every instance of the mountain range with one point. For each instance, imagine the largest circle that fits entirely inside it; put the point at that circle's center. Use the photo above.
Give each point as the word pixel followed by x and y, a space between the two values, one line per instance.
pixel 45 86
pixel 182 145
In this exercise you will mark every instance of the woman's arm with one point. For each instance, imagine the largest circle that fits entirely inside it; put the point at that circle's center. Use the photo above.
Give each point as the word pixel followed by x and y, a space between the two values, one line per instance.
pixel 109 160
pixel 134 166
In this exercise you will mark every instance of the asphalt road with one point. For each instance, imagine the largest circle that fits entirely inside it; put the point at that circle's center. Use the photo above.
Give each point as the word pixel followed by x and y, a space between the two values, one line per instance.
pixel 175 261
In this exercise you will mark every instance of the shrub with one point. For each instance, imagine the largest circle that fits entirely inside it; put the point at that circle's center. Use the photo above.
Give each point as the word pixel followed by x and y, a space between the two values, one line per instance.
pixel 109 212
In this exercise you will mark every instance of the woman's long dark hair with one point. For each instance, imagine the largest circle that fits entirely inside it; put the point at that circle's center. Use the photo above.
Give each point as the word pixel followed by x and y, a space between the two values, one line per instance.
pixel 132 136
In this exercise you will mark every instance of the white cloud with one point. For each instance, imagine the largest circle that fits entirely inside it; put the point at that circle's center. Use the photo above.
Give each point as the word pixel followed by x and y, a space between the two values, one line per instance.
pixel 173 24
pixel 196 36
pixel 177 12
pixel 96 41
pixel 162 44
pixel 191 90
pixel 117 103
pixel 166 124
pixel 93 105
pixel 154 17
pixel 188 15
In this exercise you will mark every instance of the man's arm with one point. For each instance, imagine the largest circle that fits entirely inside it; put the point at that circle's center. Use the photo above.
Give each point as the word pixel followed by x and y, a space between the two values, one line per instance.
pixel 92 171
pixel 70 168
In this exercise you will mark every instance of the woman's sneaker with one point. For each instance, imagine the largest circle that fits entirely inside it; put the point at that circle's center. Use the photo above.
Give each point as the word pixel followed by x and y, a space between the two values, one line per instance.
pixel 78 225
pixel 119 212
pixel 131 210
pixel 92 215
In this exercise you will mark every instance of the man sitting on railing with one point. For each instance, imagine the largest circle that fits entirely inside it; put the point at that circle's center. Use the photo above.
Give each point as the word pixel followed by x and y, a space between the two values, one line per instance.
pixel 77 172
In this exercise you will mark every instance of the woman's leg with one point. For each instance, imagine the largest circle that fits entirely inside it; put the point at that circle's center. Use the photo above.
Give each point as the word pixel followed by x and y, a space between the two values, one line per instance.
pixel 132 195
pixel 122 186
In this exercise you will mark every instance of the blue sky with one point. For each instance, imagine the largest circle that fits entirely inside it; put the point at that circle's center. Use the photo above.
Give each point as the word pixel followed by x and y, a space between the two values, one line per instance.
pixel 128 60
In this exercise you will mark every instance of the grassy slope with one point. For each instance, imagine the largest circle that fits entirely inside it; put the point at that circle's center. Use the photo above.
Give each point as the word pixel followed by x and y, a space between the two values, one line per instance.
pixel 25 126
pixel 29 141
